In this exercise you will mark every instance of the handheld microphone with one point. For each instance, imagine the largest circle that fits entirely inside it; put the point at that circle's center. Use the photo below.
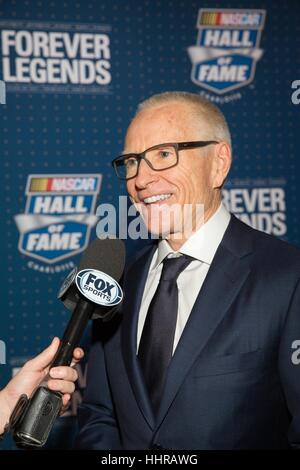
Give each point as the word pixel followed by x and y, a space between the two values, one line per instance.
pixel 91 291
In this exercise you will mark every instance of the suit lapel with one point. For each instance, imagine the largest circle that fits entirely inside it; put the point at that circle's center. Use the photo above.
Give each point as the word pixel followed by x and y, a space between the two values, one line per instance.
pixel 134 283
pixel 226 276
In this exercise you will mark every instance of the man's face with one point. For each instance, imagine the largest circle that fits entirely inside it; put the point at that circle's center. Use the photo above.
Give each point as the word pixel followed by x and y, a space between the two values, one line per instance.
pixel 190 182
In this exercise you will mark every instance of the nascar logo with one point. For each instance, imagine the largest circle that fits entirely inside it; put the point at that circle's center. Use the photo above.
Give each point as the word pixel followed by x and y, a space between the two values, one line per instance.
pixel 59 215
pixel 227 48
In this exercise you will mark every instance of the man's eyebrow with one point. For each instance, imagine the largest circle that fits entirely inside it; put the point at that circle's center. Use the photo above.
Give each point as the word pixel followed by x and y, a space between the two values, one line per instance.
pixel 124 152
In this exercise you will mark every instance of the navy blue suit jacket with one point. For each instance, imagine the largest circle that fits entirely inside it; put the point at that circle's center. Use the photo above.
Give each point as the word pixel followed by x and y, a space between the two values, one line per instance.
pixel 232 382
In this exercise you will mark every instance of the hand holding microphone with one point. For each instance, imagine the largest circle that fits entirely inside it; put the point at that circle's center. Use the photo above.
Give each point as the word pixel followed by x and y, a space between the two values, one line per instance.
pixel 92 291
pixel 30 375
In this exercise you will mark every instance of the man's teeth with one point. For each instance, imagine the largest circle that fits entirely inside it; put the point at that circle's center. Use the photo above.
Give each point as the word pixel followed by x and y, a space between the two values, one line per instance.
pixel 159 197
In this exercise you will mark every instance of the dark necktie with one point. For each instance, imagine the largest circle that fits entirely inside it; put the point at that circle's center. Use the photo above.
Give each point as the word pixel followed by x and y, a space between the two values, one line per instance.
pixel 156 344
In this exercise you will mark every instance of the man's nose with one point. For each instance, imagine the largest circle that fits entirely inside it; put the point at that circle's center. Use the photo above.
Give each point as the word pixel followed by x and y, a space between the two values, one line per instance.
pixel 145 176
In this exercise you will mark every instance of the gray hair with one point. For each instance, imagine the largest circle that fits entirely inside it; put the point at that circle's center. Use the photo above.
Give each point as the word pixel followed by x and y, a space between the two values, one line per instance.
pixel 202 108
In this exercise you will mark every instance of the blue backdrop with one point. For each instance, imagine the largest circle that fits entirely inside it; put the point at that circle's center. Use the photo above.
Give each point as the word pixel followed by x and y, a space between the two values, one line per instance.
pixel 74 73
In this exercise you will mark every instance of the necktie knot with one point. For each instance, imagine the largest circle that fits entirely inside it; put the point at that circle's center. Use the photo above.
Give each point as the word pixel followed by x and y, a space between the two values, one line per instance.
pixel 172 267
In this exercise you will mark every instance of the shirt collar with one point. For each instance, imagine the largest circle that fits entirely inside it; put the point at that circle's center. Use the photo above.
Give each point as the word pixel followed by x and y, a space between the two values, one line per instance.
pixel 203 244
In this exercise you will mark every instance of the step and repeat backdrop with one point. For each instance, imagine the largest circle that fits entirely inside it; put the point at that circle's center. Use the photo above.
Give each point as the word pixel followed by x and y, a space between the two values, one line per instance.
pixel 72 74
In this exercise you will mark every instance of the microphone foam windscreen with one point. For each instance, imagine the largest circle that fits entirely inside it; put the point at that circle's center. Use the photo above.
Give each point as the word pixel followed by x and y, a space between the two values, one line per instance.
pixel 107 255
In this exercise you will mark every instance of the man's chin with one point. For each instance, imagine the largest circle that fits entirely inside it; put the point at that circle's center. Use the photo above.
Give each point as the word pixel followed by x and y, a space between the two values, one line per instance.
pixel 170 221
pixel 164 232
pixel 157 231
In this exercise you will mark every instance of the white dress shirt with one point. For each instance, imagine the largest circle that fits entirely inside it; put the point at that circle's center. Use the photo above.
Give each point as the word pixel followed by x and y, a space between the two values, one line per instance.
pixel 202 246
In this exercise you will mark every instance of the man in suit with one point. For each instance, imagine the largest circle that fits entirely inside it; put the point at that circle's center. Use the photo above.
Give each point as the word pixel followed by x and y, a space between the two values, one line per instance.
pixel 202 355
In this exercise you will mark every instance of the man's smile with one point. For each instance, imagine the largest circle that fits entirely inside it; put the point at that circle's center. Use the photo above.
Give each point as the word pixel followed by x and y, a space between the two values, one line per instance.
pixel 156 198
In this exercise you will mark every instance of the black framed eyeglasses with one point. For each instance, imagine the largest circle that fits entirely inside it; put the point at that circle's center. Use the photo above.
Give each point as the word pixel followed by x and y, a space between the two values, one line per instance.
pixel 159 157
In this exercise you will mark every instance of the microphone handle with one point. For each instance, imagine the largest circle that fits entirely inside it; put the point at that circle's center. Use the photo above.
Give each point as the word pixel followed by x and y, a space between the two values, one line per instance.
pixel 73 333
pixel 36 419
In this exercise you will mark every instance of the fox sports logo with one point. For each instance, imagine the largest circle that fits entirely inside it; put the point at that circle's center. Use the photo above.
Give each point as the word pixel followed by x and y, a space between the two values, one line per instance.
pixel 99 287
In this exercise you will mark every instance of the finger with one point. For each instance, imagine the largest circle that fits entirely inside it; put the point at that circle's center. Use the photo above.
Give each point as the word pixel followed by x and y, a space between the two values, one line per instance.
pixel 64 372
pixel 66 401
pixel 43 359
pixel 78 354
pixel 63 386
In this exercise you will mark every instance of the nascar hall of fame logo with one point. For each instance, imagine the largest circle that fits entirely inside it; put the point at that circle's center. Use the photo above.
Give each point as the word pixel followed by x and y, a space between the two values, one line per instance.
pixel 58 218
pixel 55 57
pixel 227 49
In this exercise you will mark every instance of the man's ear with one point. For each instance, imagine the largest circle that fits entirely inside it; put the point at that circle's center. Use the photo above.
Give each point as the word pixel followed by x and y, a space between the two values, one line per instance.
pixel 221 164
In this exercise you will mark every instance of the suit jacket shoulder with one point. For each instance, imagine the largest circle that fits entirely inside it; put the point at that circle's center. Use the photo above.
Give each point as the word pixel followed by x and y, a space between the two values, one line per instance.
pixel 269 251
